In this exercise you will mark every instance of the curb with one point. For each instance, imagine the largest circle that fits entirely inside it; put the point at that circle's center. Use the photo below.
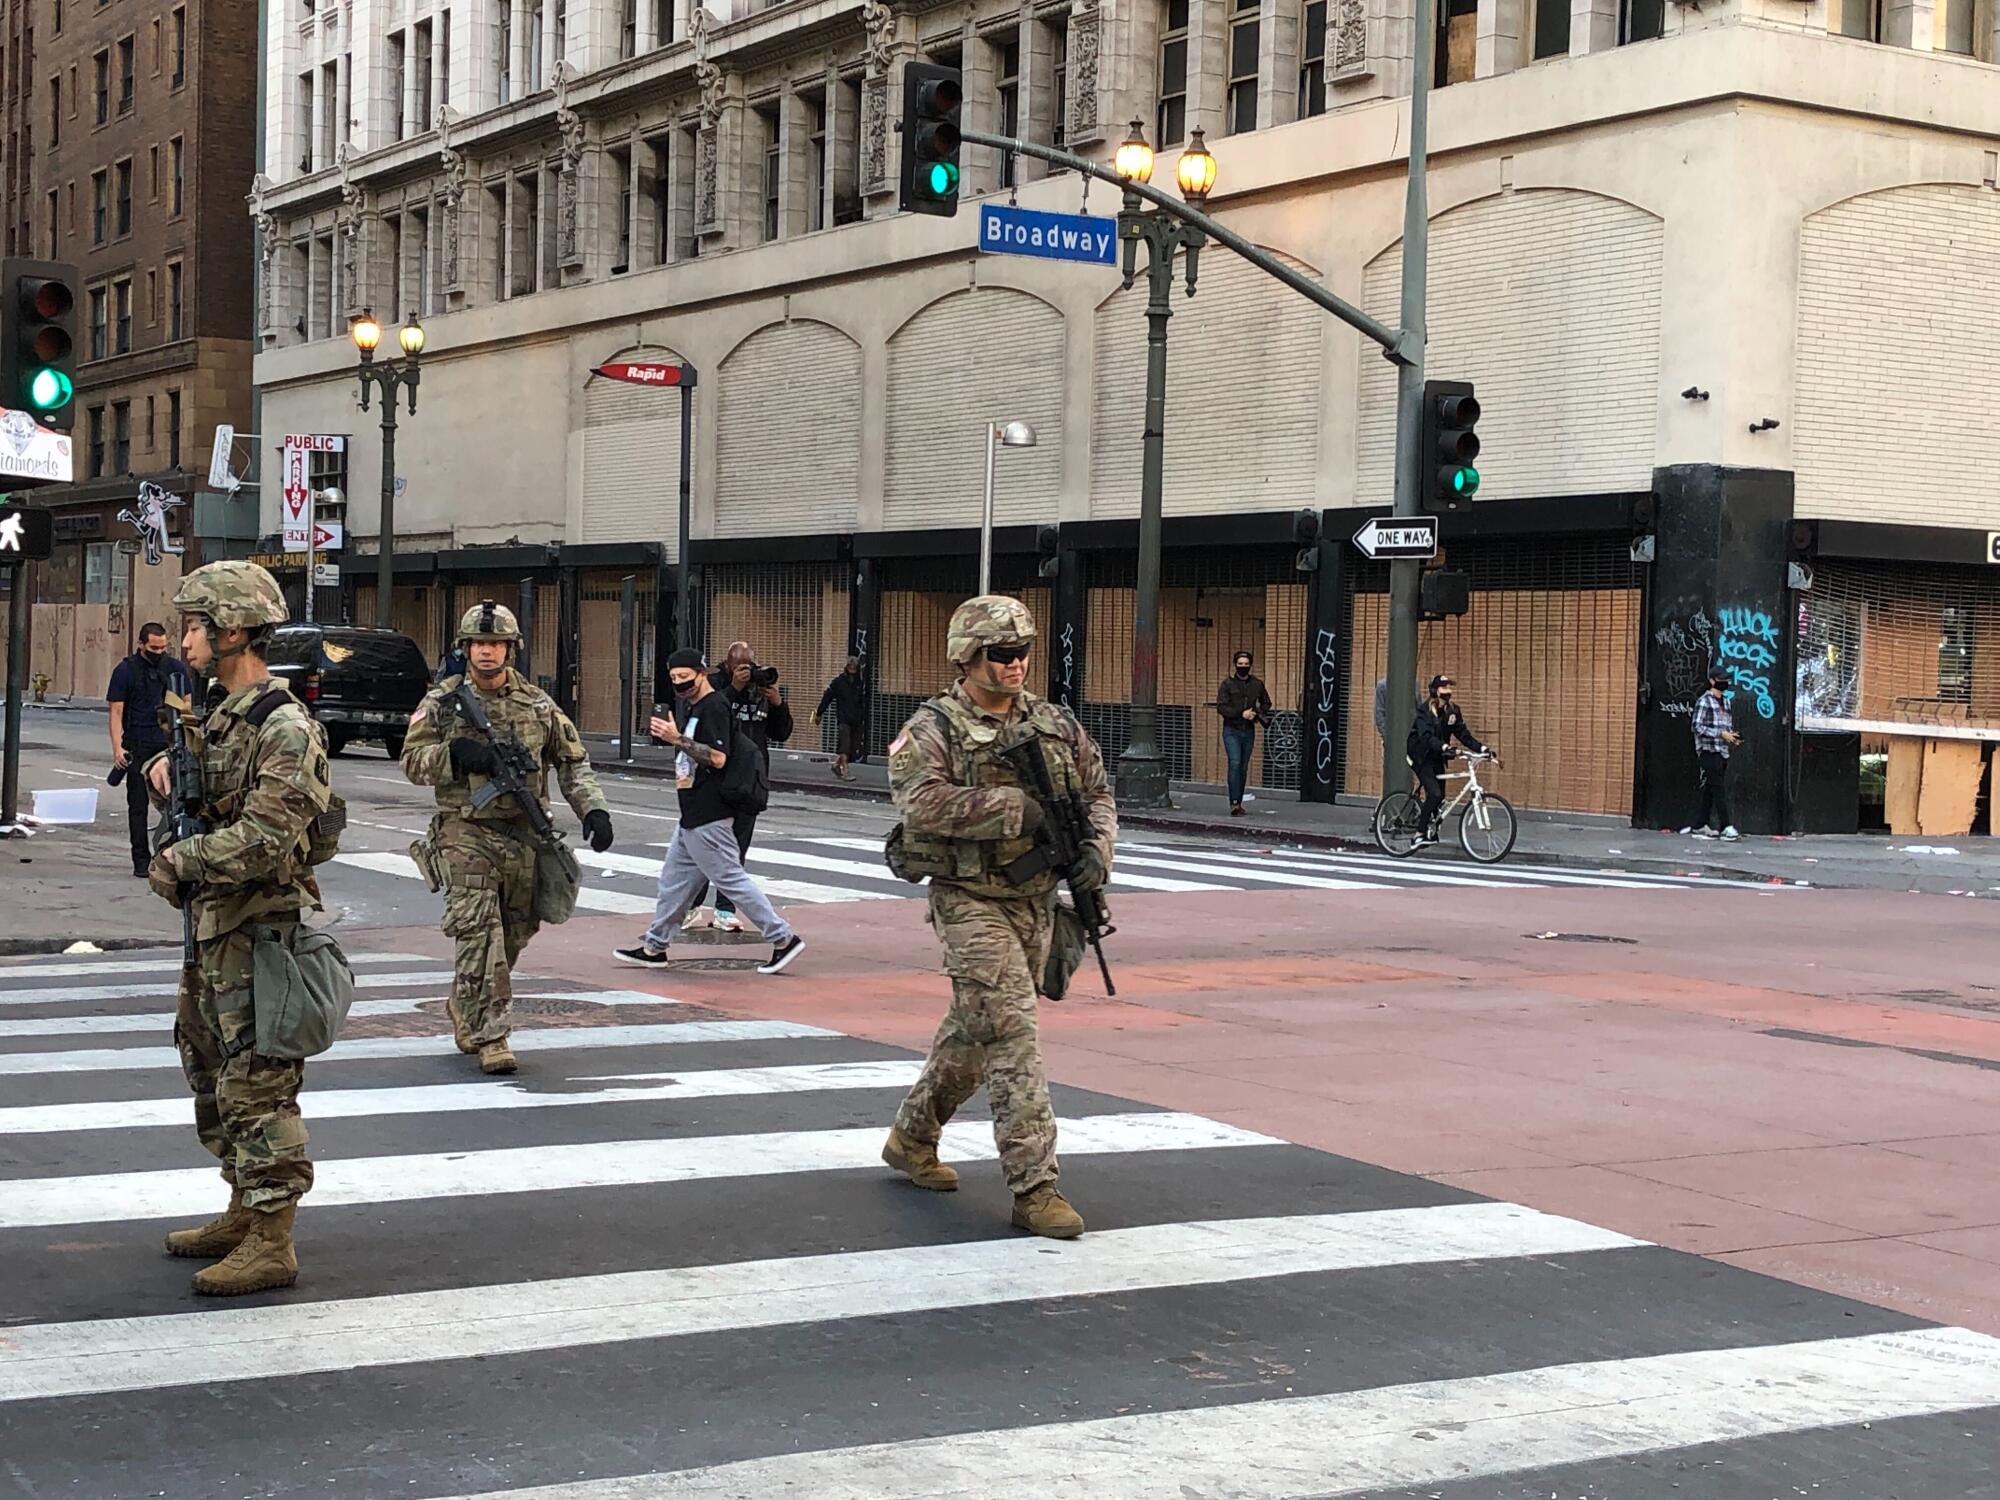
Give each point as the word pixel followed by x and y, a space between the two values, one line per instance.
pixel 19 947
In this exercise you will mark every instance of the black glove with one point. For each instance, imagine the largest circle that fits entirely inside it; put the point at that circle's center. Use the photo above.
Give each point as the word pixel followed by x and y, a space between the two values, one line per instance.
pixel 597 828
pixel 468 756
pixel 1090 871
pixel 1032 816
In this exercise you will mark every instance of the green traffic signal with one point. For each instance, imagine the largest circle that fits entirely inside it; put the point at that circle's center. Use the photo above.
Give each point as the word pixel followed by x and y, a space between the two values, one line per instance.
pixel 1465 481
pixel 943 181
pixel 49 389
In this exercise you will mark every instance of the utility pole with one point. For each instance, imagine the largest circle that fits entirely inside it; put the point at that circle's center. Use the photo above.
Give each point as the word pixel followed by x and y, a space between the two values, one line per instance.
pixel 1405 574
pixel 17 671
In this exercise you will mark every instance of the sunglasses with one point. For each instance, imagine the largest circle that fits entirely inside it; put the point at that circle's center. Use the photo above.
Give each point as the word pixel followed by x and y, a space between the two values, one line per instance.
pixel 1002 656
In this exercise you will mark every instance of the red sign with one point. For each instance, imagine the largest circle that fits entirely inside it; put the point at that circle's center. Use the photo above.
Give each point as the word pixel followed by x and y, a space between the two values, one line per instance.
pixel 648 374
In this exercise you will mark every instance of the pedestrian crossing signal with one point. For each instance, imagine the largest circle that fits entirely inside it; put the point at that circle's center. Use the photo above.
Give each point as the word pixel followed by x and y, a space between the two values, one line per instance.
pixel 930 175
pixel 38 356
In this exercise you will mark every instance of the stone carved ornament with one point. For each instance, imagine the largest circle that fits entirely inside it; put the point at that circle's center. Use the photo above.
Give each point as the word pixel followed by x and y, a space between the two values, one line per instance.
pixel 1349 50
pixel 1083 36
pixel 878 21
pixel 705 193
pixel 455 172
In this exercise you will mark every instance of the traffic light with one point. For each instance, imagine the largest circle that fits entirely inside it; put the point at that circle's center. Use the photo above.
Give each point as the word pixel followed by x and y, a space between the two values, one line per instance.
pixel 1450 445
pixel 1048 551
pixel 929 181
pixel 38 352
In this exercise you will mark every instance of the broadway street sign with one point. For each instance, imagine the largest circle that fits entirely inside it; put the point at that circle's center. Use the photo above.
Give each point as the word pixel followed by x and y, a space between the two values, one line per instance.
pixel 1006 230
pixel 1404 537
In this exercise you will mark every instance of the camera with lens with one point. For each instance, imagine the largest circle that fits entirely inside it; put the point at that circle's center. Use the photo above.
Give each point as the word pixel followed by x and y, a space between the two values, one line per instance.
pixel 763 676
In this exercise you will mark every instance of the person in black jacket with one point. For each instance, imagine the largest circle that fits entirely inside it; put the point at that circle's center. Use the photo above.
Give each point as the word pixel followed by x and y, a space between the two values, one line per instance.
pixel 758 707
pixel 1439 721
pixel 847 695
pixel 1243 704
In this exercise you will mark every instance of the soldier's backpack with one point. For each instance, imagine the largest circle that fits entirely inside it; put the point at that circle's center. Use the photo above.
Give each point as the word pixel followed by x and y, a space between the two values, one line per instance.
pixel 323 833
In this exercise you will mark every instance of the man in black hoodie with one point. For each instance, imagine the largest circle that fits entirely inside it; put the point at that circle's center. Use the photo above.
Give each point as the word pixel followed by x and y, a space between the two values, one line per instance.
pixel 1243 704
pixel 762 717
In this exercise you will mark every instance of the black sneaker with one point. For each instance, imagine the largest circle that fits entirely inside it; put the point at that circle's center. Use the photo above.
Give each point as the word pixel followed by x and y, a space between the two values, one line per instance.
pixel 641 956
pixel 782 956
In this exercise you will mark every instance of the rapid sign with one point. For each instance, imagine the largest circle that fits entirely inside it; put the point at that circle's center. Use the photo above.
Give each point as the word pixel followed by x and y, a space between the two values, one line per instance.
pixel 647 373
pixel 1007 230
pixel 1404 537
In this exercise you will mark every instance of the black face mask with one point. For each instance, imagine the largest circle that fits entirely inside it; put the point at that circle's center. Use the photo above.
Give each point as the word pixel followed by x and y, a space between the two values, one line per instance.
pixel 1242 671
pixel 686 689
pixel 153 657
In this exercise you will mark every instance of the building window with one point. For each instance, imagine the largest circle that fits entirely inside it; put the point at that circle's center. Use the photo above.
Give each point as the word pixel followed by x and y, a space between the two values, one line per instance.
pixel 422 220
pixel 1958 26
pixel 124 174
pixel 816 143
pixel 1172 120
pixel 663 22
pixel 59 17
pixel 100 207
pixel 96 442
pixel 1059 100
pixel 1312 62
pixel 621 168
pixel 1243 31
pixel 100 66
pixel 159 47
pixel 628 28
pixel 1641 20
pixel 1551 28
pixel 100 322
pixel 121 437
pixel 173 429
pixel 562 30
pixel 176 160
pixel 121 313
pixel 420 67
pixel 152 299
pixel 444 58
pixel 533 72
pixel 153 158
pixel 55 219
pixel 1007 89
pixel 496 204
pixel 662 154
pixel 1955 654
pixel 152 425
pixel 503 35
pixel 180 45
pixel 306 120
pixel 1457 55
pixel 128 82
pixel 55 111
pixel 174 279
pixel 332 111
pixel 398 81
pixel 773 171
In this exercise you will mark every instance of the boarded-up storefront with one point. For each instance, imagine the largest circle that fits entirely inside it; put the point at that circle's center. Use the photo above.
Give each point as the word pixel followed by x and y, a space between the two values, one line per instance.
pixel 794 616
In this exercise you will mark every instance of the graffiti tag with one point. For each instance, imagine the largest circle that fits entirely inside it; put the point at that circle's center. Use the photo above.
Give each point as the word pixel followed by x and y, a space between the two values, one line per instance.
pixel 1747 651
pixel 1326 673
pixel 1069 665
pixel 150 521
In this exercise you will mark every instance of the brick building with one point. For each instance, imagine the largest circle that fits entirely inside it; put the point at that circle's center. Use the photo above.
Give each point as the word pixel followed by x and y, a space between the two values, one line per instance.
pixel 1724 275
pixel 137 124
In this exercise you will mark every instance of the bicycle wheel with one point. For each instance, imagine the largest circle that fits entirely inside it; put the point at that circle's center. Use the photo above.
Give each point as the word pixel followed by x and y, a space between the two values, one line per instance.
pixel 1487 827
pixel 1399 819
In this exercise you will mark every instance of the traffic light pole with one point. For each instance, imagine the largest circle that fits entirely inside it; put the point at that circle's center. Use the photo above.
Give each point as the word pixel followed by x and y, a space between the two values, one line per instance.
pixel 1405 575
pixel 17 667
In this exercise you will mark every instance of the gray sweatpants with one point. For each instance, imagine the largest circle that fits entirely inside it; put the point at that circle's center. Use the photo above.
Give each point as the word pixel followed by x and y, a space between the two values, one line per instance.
pixel 705 856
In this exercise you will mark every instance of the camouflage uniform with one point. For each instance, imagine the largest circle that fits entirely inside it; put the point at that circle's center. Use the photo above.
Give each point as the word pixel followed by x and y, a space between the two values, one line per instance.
pixel 963 809
pixel 262 785
pixel 487 855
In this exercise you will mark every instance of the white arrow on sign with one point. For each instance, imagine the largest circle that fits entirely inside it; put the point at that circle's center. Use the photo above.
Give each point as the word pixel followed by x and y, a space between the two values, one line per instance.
pixel 328 536
pixel 1411 537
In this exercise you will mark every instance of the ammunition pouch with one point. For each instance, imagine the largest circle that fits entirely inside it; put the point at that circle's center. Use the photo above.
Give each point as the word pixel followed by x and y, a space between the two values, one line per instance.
pixel 323 832
pixel 429 859
pixel 1066 946
pixel 302 990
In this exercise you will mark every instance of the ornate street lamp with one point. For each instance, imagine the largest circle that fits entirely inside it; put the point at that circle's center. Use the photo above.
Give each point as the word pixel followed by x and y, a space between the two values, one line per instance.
pixel 367 335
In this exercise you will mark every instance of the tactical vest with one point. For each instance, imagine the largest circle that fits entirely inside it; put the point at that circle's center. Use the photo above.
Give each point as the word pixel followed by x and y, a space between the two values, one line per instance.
pixel 978 865
pixel 523 713
pixel 226 776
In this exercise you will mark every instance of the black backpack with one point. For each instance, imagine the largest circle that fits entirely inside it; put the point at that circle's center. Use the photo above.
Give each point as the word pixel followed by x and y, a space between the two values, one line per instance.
pixel 746 778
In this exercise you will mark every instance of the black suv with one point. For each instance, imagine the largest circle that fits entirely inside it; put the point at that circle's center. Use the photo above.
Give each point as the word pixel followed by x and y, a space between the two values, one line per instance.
pixel 360 684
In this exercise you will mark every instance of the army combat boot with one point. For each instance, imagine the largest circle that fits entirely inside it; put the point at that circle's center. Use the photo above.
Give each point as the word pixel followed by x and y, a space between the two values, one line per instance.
pixel 216 1238
pixel 497 1057
pixel 1045 1211
pixel 461 1033
pixel 919 1163
pixel 264 1260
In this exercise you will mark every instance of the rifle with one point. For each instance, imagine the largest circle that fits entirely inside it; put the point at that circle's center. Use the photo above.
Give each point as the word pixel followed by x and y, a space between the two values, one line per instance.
pixel 183 817
pixel 514 775
pixel 1064 833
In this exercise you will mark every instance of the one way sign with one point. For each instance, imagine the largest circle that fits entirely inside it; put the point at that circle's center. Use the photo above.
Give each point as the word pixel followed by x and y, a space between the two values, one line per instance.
pixel 27 534
pixel 1405 537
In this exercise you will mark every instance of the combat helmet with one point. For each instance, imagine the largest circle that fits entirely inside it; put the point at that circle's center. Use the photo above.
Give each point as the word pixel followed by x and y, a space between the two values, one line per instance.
pixel 233 595
pixel 988 620
pixel 487 621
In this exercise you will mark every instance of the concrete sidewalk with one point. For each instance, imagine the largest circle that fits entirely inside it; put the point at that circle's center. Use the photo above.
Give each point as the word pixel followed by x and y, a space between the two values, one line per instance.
pixel 1274 818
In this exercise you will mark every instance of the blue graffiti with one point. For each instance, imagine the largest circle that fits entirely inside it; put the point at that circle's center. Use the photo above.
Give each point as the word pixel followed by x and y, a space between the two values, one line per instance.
pixel 1748 649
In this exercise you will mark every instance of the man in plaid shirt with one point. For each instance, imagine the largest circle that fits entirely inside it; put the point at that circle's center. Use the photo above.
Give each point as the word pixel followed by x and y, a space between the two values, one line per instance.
pixel 1714 734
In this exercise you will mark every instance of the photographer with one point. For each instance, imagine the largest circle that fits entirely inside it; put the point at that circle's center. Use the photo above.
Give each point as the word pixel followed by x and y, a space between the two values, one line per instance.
pixel 139 686
pixel 758 706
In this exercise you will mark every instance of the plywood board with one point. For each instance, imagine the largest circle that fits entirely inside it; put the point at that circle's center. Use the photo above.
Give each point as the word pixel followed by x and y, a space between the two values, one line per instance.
pixel 1951 788
pixel 1904 784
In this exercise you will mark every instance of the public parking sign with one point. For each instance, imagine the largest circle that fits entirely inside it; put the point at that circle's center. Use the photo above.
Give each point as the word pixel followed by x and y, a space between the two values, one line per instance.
pixel 27 534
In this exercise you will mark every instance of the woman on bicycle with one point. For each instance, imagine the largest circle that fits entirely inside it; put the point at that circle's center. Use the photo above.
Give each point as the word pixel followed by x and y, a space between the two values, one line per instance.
pixel 1439 721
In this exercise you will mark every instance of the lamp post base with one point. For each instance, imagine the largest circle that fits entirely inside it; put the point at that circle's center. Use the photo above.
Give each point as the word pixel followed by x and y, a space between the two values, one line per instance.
pixel 1141 779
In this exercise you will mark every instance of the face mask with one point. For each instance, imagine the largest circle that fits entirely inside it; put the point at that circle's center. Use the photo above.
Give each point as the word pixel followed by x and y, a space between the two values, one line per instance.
pixel 686 689
pixel 1242 671
pixel 153 654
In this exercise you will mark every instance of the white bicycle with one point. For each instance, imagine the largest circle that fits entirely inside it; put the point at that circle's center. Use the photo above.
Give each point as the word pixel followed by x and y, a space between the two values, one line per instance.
pixel 1486 824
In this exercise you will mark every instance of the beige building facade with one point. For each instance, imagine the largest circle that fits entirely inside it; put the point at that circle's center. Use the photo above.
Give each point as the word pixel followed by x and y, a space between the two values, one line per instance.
pixel 1725 278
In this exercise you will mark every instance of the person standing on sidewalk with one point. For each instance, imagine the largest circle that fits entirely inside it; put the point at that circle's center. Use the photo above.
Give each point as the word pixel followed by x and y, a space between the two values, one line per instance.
pixel 764 718
pixel 704 851
pixel 139 687
pixel 1243 704
pixel 1714 736
pixel 847 695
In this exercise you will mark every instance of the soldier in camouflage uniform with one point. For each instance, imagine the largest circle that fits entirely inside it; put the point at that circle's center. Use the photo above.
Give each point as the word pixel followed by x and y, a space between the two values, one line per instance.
pixel 264 780
pixel 486 856
pixel 965 818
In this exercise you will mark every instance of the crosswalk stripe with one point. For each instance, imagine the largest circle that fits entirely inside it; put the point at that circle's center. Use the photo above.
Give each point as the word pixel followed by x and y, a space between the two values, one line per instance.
pixel 628 903
pixel 450 1098
pixel 359 1049
pixel 166 963
pixel 1122 878
pixel 39 1202
pixel 589 897
pixel 1500 874
pixel 1386 1438
pixel 157 1020
pixel 786 890
pixel 56 994
pixel 64 1359
pixel 1263 874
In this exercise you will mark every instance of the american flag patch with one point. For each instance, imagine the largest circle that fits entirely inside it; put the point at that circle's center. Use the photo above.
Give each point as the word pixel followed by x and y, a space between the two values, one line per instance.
pixel 899 741
pixel 418 717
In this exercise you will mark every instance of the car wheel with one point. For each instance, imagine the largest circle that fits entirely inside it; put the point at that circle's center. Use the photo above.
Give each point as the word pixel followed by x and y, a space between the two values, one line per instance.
pixel 335 742
pixel 393 743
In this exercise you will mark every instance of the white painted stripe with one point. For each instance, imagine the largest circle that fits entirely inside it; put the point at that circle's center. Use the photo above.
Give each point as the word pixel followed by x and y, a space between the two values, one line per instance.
pixel 1244 870
pixel 1389 1438
pixel 161 1020
pixel 453 1098
pixel 362 1049
pixel 30 1202
pixel 124 1354
pixel 62 994
pixel 598 898
pixel 167 963
pixel 790 890
pixel 1120 877
pixel 1499 874
pixel 590 897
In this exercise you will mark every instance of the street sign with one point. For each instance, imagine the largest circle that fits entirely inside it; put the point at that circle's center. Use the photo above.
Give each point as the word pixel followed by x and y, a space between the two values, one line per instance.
pixel 1007 230
pixel 1403 537
pixel 295 504
pixel 218 457
pixel 647 373
pixel 29 451
pixel 328 536
pixel 326 575
pixel 27 533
